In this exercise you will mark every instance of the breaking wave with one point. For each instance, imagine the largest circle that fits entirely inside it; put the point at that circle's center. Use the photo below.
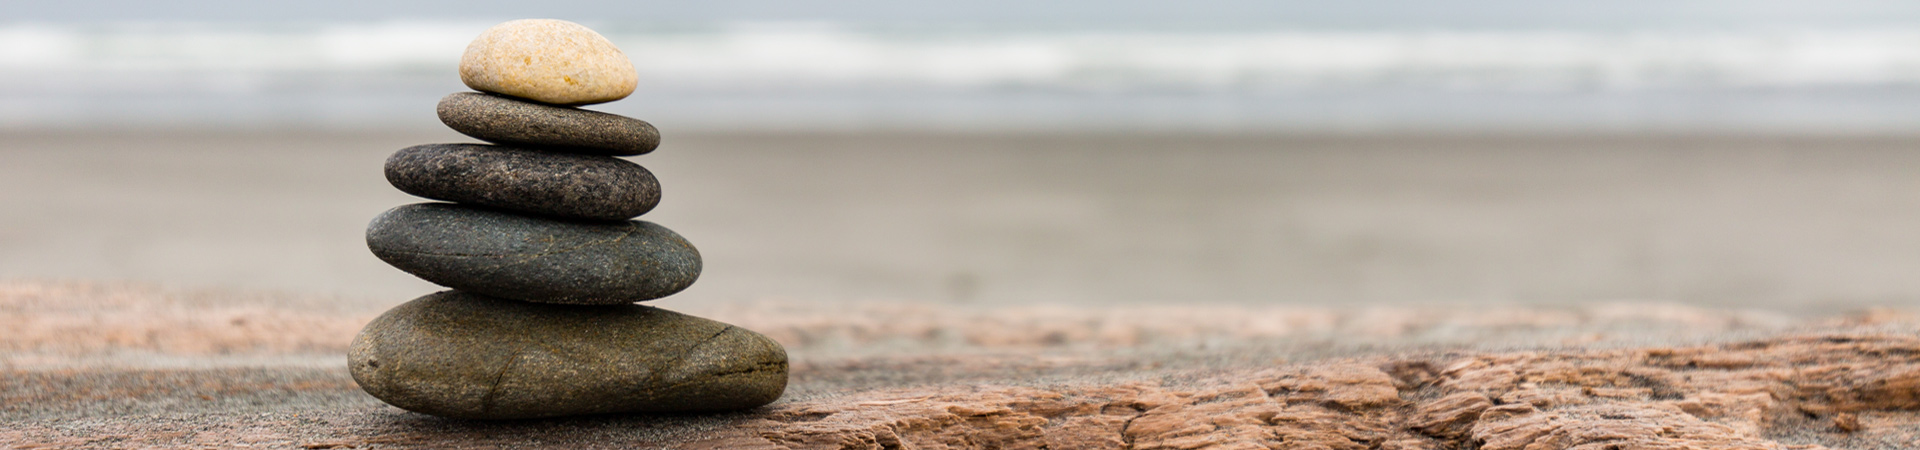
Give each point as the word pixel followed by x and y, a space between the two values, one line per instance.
pixel 802 56
pixel 812 75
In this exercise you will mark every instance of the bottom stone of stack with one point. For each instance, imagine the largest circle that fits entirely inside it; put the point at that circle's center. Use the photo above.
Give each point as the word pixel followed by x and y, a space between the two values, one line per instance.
pixel 462 355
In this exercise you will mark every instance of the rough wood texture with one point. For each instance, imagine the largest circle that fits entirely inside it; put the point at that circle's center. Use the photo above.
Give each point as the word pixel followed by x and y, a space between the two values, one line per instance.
pixel 1851 382
pixel 1841 390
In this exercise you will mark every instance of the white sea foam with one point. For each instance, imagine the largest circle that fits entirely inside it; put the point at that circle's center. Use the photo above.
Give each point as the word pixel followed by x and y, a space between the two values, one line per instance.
pixel 1230 61
pixel 800 74
pixel 826 56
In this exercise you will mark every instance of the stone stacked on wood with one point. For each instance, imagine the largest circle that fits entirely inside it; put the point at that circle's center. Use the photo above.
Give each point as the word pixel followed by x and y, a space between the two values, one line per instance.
pixel 538 244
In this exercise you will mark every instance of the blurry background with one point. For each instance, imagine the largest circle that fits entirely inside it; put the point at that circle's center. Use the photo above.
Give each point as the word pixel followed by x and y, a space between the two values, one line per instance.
pixel 1002 65
pixel 1713 152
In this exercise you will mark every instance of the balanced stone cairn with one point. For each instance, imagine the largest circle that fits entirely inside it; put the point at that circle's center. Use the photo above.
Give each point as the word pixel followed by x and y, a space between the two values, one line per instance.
pixel 542 256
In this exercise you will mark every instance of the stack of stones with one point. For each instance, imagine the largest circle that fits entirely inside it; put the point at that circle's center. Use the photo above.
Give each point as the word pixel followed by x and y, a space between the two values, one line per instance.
pixel 542 256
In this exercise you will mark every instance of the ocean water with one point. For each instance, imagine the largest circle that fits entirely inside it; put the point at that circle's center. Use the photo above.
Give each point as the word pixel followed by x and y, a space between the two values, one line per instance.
pixel 1852 67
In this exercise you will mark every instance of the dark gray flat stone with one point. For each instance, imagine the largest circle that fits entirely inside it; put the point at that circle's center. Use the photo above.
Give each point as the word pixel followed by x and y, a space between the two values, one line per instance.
pixel 504 120
pixel 531 181
pixel 535 259
pixel 462 355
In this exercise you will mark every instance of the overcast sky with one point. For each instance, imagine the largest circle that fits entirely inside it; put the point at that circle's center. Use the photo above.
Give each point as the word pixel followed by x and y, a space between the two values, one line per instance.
pixel 1089 13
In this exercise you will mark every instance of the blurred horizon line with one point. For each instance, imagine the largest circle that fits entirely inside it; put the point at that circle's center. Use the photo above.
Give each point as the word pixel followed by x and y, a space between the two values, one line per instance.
pixel 787 75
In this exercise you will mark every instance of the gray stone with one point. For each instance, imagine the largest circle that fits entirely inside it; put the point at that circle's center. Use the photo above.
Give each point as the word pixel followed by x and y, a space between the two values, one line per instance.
pixel 495 118
pixel 535 259
pixel 531 181
pixel 456 354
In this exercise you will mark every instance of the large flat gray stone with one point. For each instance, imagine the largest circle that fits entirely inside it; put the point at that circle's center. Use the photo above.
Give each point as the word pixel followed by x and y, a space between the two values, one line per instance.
pixel 524 180
pixel 456 354
pixel 534 259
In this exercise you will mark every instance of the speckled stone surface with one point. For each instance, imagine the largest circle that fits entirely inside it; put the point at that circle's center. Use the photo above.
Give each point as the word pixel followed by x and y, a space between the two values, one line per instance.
pixel 522 180
pixel 535 259
pixel 505 120
pixel 548 61
pixel 456 354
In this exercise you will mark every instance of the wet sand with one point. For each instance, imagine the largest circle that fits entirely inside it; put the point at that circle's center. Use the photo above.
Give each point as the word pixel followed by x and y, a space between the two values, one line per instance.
pixel 1101 218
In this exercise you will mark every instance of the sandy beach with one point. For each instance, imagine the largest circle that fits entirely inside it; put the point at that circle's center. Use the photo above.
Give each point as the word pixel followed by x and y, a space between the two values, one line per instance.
pixel 988 225
pixel 180 290
pixel 1780 221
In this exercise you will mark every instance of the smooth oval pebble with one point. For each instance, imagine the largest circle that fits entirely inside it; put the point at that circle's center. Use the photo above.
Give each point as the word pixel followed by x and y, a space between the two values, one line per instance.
pixel 548 61
pixel 535 259
pixel 504 120
pixel 531 181
pixel 461 355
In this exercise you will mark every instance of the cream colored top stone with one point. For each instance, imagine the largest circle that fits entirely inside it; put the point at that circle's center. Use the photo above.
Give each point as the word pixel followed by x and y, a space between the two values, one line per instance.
pixel 547 60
